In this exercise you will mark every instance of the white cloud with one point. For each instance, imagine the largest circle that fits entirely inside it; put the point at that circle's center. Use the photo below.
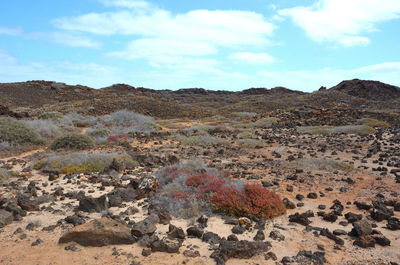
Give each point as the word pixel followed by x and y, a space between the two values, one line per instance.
pixel 161 37
pixel 6 58
pixel 126 3
pixel 10 31
pixel 74 40
pixel 343 22
pixel 253 58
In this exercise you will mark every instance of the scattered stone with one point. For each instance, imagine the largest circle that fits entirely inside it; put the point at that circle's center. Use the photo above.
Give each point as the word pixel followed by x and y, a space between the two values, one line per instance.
pixel 195 231
pixel 6 218
pixel 169 245
pixel 276 235
pixel 90 204
pixel 259 236
pixel 145 227
pixel 365 242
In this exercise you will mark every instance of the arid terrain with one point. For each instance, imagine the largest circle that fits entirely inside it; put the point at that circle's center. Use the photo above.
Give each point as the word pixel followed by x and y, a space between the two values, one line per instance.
pixel 125 175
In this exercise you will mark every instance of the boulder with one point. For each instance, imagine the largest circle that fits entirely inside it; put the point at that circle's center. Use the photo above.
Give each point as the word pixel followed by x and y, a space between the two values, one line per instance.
pixel 6 218
pixel 90 204
pixel 242 249
pixel 361 228
pixel 98 233
pixel 169 245
pixel 145 227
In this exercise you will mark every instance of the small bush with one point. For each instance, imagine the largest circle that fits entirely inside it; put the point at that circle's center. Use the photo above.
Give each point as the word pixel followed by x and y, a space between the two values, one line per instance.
pixel 74 119
pixel 81 162
pixel 45 128
pixel 99 135
pixel 124 122
pixel 50 116
pixel 253 201
pixel 4 175
pixel 247 134
pixel 265 122
pixel 328 130
pixel 374 123
pixel 17 132
pixel 73 141
pixel 4 145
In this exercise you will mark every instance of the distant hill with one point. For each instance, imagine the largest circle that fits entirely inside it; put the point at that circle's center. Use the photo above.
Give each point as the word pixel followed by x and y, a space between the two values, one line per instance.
pixel 372 90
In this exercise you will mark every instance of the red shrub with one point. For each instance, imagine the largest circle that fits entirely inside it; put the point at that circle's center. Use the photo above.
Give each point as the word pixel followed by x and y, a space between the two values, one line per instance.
pixel 253 201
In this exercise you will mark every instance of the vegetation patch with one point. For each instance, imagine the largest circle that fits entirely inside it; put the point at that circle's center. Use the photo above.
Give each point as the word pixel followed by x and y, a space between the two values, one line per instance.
pixel 125 121
pixel 17 132
pixel 45 128
pixel 5 175
pixel 199 140
pixel 371 122
pixel 82 162
pixel 329 130
pixel 319 164
pixel 186 193
pixel 50 116
pixel 73 141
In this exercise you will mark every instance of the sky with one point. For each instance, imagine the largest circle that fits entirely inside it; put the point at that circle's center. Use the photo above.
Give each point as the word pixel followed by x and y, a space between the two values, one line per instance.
pixel 218 45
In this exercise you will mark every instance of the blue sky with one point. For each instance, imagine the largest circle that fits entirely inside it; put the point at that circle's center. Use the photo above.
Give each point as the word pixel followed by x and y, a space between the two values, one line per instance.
pixel 220 45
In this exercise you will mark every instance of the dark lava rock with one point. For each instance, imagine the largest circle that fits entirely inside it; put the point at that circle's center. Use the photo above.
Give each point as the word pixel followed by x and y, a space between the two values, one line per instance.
pixel 382 240
pixel 259 236
pixel 312 195
pixel 195 231
pixel 393 224
pixel 232 237
pixel 146 252
pixel 28 204
pixel 75 220
pixel 90 204
pixel 238 230
pixel 337 207
pixel 191 254
pixel 308 257
pixel 99 232
pixel 175 232
pixel 362 205
pixel 6 218
pixel 301 218
pixel 239 249
pixel 145 227
pixel 365 242
pixel 330 235
pixel 169 245
pixel 361 228
pixel 380 212
pixel 164 217
pixel 339 232
pixel 276 235
pixel 330 217
pixel 352 217
pixel 289 204
pixel 299 197
pixel 211 238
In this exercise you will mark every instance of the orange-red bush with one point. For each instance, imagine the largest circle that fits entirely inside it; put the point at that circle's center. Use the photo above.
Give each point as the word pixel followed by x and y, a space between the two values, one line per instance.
pixel 253 200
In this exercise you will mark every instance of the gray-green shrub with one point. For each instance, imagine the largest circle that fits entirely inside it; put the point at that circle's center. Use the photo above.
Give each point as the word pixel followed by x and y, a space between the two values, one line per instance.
pixel 73 141
pixel 17 132
pixel 45 128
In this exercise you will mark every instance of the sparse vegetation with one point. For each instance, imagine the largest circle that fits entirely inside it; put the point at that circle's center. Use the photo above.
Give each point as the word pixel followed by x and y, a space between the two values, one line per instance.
pixel 328 130
pixel 50 116
pixel 4 175
pixel 265 122
pixel 124 122
pixel 186 195
pixel 199 140
pixel 81 162
pixel 73 141
pixel 371 122
pixel 17 132
pixel 319 164
pixel 250 143
pixel 45 128
pixel 4 145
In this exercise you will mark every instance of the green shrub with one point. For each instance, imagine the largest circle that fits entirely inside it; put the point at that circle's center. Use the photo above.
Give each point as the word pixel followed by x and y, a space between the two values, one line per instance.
pixel 45 128
pixel 82 162
pixel 97 133
pixel 328 130
pixel 250 143
pixel 247 134
pixel 50 116
pixel 73 141
pixel 17 132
